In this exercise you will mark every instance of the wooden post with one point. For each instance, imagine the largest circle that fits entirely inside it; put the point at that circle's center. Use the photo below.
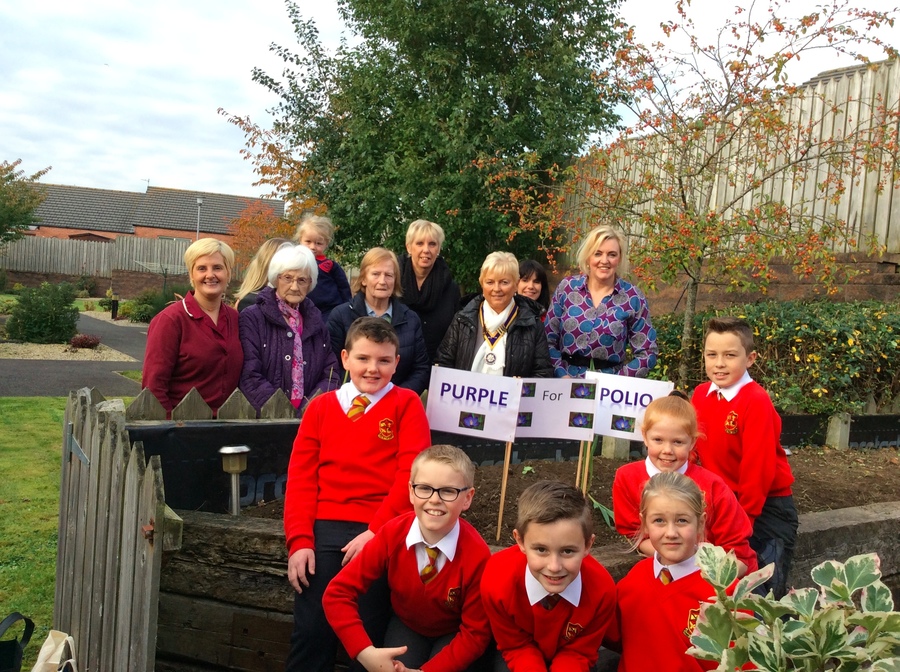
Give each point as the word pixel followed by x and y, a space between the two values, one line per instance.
pixel 582 447
pixel 506 457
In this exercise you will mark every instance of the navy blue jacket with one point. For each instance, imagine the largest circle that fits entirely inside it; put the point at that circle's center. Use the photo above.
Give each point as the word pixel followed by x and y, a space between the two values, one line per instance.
pixel 414 369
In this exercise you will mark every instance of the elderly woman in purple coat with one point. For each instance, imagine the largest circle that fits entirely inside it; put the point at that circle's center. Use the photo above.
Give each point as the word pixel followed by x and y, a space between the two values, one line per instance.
pixel 286 344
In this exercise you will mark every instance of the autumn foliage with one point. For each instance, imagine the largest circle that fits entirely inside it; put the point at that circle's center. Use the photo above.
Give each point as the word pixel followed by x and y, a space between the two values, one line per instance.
pixel 255 224
pixel 723 164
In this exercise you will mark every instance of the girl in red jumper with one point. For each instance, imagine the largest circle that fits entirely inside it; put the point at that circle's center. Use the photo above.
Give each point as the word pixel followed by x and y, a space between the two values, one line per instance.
pixel 670 432
pixel 667 589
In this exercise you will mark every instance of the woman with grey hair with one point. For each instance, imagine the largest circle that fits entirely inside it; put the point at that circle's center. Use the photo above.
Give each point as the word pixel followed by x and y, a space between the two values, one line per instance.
pixel 499 333
pixel 286 345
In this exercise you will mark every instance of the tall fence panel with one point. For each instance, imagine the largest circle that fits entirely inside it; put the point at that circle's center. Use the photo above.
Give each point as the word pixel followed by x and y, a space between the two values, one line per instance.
pixel 836 105
pixel 79 257
pixel 111 530
pixel 57 255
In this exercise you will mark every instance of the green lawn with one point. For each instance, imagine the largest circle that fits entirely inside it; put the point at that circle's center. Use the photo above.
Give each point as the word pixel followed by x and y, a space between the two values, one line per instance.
pixel 30 449
pixel 31 440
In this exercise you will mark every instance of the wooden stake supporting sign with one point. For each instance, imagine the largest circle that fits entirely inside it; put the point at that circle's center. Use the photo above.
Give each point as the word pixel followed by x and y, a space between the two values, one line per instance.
pixel 506 458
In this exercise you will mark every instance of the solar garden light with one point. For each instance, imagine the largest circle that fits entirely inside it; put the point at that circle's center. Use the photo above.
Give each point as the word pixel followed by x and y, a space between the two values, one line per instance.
pixel 234 462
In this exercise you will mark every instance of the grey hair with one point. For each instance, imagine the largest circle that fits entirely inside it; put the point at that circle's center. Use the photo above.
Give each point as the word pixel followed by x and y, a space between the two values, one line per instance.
pixel 294 258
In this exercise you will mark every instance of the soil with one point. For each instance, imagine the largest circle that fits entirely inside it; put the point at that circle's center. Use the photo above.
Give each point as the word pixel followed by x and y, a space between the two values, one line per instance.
pixel 824 479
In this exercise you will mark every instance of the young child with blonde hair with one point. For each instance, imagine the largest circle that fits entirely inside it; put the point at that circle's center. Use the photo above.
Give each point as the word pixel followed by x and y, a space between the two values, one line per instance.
pixel 317 233
pixel 658 602
pixel 670 432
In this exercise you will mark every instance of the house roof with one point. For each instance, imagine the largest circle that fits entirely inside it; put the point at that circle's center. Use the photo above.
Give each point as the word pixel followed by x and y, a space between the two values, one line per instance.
pixel 160 208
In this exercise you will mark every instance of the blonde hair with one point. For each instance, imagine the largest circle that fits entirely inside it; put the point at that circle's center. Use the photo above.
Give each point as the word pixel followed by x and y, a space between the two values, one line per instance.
pixel 595 239
pixel 447 455
pixel 257 274
pixel 204 247
pixel 320 225
pixel 503 263
pixel 422 228
pixel 675 407
pixel 373 257
pixel 675 486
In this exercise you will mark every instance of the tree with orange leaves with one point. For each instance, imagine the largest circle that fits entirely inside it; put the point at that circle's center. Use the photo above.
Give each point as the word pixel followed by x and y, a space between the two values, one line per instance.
pixel 725 164
pixel 255 224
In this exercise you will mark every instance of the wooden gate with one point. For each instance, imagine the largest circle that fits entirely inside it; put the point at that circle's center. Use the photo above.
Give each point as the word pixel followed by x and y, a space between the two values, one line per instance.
pixel 113 529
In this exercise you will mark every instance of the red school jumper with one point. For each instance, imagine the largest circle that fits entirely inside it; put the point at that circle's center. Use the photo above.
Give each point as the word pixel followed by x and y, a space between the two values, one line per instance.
pixel 655 621
pixel 352 471
pixel 740 440
pixel 563 639
pixel 726 523
pixel 450 602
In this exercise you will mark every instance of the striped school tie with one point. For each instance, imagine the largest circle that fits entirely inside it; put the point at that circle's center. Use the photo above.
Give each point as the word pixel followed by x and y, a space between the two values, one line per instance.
pixel 665 576
pixel 358 407
pixel 550 601
pixel 429 571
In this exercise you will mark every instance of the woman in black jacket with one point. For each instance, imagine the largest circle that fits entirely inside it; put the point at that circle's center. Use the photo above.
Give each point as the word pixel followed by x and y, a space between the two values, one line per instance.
pixel 499 333
pixel 378 295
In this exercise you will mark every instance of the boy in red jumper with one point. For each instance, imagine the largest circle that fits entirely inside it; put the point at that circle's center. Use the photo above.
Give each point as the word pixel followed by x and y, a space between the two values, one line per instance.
pixel 548 601
pixel 439 624
pixel 740 440
pixel 347 477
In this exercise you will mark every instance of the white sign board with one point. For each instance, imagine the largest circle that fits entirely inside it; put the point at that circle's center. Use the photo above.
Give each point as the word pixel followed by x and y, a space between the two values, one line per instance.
pixel 621 401
pixel 473 404
pixel 558 408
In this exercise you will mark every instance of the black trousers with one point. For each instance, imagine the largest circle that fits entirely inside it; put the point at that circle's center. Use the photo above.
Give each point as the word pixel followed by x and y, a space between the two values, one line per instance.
pixel 313 642
pixel 774 537
pixel 421 649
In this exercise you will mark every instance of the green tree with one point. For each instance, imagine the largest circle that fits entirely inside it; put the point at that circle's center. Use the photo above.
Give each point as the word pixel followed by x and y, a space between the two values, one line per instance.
pixel 727 164
pixel 412 118
pixel 19 198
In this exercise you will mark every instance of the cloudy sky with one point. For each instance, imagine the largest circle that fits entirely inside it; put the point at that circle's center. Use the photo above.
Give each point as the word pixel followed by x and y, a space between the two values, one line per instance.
pixel 117 94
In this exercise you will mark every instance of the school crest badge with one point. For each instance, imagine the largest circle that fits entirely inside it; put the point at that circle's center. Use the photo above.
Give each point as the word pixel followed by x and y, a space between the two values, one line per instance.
pixel 731 423
pixel 693 615
pixel 386 429
pixel 453 596
pixel 572 631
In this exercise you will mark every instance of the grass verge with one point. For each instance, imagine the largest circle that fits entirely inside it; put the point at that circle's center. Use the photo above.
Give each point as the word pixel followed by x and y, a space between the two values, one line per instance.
pixel 31 440
pixel 31 436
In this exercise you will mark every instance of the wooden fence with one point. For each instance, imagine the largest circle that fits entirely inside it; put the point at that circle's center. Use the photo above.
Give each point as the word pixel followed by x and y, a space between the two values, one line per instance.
pixel 79 257
pixel 113 530
pixel 835 105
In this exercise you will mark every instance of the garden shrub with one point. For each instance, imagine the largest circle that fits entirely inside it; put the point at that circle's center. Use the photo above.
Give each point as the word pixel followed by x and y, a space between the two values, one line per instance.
pixel 17 288
pixel 86 283
pixel 106 301
pixel 7 305
pixel 82 294
pixel 44 315
pixel 846 624
pixel 149 303
pixel 88 341
pixel 815 357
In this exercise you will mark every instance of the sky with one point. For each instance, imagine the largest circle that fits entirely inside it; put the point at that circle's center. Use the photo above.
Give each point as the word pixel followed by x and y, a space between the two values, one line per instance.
pixel 119 95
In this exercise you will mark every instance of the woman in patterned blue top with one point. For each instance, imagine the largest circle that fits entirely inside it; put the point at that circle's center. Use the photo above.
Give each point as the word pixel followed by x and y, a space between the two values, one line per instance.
pixel 596 317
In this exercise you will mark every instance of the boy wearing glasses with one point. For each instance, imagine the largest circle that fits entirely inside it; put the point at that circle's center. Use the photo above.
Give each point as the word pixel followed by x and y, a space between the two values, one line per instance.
pixel 348 476
pixel 433 562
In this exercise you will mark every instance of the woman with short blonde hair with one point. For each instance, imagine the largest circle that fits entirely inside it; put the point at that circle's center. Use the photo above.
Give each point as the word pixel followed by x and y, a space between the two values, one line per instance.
pixel 193 343
pixel 499 333
pixel 428 287
pixel 597 320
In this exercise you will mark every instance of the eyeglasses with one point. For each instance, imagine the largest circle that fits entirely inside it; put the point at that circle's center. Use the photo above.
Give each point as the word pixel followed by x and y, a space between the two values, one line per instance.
pixel 290 280
pixel 446 494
